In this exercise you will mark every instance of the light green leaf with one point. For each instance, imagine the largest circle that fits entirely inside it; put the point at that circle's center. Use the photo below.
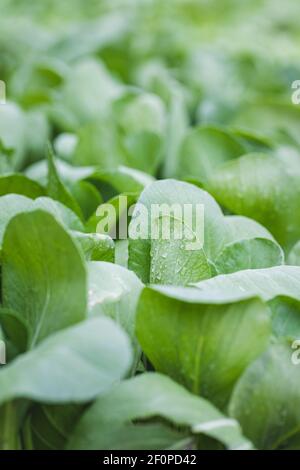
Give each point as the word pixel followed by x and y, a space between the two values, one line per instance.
pixel 206 148
pixel 137 112
pixel 94 88
pixel 285 317
pixel 13 133
pixel 68 173
pixel 173 263
pixel 44 277
pixel 101 143
pixel 19 184
pixel 177 124
pixel 15 328
pixel 294 255
pixel 263 188
pixel 94 35
pixel 278 119
pixel 203 345
pixel 114 291
pixel 62 214
pixel 13 204
pixel 143 398
pixel 243 228
pixel 255 253
pixel 265 283
pixel 51 425
pixel 87 196
pixel 266 400
pixel 10 205
pixel 56 189
pixel 249 245
pixel 121 205
pixel 122 179
pixel 169 192
pixel 95 246
pixel 85 360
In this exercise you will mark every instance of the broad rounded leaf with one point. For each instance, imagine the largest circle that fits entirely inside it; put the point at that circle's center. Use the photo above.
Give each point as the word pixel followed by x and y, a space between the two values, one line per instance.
pixel 150 396
pixel 205 346
pixel 44 277
pixel 266 400
pixel 85 360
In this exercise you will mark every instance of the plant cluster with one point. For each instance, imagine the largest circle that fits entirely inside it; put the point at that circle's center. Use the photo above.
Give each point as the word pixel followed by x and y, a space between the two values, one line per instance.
pixel 140 343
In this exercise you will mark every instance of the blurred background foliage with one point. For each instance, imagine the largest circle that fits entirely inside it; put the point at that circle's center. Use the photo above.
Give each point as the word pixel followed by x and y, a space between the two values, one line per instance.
pixel 150 68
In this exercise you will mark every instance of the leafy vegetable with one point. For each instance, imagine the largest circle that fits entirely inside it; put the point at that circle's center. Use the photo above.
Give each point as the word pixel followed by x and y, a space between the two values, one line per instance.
pixel 146 396
pixel 273 424
pixel 149 225
pixel 82 346
pixel 203 345
pixel 40 276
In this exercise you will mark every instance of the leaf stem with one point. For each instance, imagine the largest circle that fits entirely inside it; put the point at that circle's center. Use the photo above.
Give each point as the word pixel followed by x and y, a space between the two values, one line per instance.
pixel 9 427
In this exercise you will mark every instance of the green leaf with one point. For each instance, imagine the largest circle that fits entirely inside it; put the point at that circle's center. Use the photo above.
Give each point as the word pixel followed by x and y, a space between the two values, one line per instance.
pixel 104 146
pixel 278 286
pixel 44 277
pixel 99 144
pixel 146 397
pixel 33 82
pixel 169 192
pixel 172 262
pixel 285 317
pixel 19 184
pixel 122 179
pixel 243 228
pixel 137 111
pixel 266 400
pixel 89 80
pixel 67 173
pixel 13 133
pixel 52 424
pixel 9 438
pixel 294 255
pixel 15 328
pixel 94 35
pixel 6 160
pixel 264 283
pixel 255 253
pixel 114 291
pixel 248 246
pixel 85 360
pixel 230 243
pixel 95 246
pixel 60 212
pixel 206 148
pixel 73 190
pixel 121 205
pixel 263 188
pixel 253 141
pixel 87 196
pixel 64 145
pixel 278 119
pixel 12 204
pixel 56 189
pixel 203 345
pixel 177 124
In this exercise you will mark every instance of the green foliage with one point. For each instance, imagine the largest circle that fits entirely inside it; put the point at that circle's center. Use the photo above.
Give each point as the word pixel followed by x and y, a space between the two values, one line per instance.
pixel 121 342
